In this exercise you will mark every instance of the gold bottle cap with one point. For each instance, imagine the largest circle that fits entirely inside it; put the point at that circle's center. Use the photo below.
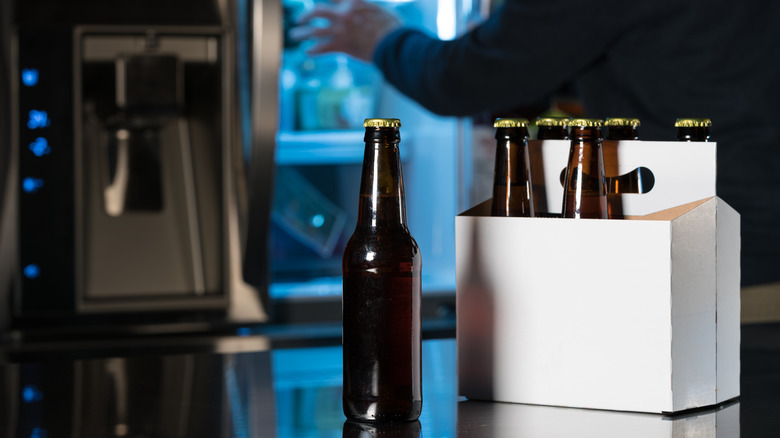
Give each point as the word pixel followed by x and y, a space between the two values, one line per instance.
pixel 382 123
pixel 510 123
pixel 553 121
pixel 586 123
pixel 692 123
pixel 621 121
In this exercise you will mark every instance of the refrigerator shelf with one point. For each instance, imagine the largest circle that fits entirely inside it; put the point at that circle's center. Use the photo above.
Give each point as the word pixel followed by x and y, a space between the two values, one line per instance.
pixel 324 147
pixel 319 147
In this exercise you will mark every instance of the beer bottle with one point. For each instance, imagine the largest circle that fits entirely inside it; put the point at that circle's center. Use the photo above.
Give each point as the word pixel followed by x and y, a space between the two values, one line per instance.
pixel 693 129
pixel 552 128
pixel 584 190
pixel 381 270
pixel 622 128
pixel 512 190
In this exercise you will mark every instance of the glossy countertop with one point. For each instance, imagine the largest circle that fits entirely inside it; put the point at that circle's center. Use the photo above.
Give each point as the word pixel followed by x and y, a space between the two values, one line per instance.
pixel 249 385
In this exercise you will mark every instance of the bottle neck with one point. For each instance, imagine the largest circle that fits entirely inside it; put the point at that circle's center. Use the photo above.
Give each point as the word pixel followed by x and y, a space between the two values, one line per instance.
pixel 622 133
pixel 511 178
pixel 693 133
pixel 552 133
pixel 382 202
pixel 584 193
pixel 586 133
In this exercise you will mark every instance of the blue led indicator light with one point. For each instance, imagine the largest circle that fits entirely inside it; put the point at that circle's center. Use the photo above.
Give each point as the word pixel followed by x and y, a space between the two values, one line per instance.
pixel 243 331
pixel 38 119
pixel 31 394
pixel 30 77
pixel 31 185
pixel 32 271
pixel 40 147
pixel 39 433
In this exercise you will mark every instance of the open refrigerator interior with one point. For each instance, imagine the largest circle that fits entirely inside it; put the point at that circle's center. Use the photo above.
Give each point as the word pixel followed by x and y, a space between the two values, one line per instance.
pixel 323 101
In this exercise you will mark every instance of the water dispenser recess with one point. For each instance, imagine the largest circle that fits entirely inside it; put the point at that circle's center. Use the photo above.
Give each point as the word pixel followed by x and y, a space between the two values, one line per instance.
pixel 126 194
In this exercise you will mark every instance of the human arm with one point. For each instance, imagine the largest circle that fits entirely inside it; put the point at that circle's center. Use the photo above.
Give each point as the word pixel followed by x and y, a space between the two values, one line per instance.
pixel 522 53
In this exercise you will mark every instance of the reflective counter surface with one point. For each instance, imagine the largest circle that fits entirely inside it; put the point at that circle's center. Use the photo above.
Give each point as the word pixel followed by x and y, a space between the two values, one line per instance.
pixel 247 386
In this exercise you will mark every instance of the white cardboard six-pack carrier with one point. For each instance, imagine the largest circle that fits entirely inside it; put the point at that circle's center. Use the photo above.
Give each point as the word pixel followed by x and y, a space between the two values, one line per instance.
pixel 637 314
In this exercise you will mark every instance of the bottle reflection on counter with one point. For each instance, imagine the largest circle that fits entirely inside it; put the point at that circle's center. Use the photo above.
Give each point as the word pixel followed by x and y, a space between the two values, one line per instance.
pixel 353 429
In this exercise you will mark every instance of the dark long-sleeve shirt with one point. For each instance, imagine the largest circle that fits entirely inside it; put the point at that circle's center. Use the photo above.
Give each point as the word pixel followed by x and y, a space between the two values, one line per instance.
pixel 652 59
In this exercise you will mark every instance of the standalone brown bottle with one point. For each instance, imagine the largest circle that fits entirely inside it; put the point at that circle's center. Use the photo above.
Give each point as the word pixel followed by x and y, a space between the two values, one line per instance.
pixel 381 296
pixel 584 189
pixel 693 129
pixel 512 189
pixel 552 128
pixel 619 128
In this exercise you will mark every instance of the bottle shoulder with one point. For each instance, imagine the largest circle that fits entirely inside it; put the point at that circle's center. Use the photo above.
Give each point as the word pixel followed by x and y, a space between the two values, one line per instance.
pixel 367 246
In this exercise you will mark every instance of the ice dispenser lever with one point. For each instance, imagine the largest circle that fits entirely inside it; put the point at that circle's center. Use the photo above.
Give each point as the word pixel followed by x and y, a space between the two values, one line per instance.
pixel 148 96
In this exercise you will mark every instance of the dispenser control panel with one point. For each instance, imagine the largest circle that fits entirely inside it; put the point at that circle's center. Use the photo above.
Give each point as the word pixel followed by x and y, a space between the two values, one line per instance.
pixel 46 169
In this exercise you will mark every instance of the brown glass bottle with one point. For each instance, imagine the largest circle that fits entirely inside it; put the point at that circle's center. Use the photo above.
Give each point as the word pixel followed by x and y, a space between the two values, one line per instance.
pixel 552 128
pixel 693 129
pixel 584 190
pixel 512 189
pixel 381 296
pixel 622 128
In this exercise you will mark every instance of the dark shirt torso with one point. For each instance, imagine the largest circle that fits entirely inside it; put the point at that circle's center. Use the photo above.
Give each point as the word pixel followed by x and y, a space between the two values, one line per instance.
pixel 653 59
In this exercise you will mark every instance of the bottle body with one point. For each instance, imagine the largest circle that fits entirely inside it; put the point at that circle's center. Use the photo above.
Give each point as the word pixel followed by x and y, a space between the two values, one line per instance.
pixel 381 300
pixel 512 187
pixel 584 191
pixel 689 129
pixel 552 128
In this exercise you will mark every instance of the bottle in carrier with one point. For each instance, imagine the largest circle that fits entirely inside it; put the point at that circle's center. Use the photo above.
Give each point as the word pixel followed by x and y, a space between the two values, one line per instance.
pixel 584 190
pixel 552 128
pixel 512 189
pixel 621 128
pixel 693 129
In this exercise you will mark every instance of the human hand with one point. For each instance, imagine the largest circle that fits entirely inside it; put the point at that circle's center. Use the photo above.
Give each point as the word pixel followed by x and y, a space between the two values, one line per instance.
pixel 355 27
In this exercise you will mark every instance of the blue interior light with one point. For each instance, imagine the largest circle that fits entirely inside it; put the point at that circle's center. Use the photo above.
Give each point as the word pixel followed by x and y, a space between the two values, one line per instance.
pixel 30 77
